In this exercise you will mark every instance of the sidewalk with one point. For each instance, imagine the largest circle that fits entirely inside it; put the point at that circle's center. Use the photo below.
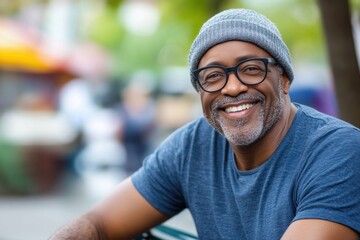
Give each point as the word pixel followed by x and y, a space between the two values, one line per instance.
pixel 37 217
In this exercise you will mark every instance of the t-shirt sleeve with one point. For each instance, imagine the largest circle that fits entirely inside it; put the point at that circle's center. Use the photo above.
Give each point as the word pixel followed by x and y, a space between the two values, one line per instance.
pixel 159 179
pixel 329 184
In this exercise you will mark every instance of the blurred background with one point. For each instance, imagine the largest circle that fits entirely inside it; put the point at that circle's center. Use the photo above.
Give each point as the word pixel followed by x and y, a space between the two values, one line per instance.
pixel 89 87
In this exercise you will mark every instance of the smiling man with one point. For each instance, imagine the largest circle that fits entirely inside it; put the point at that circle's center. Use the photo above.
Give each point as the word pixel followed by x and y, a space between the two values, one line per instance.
pixel 256 167
pixel 239 104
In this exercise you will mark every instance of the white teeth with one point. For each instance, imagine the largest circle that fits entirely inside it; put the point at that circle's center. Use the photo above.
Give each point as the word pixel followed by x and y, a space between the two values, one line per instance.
pixel 239 108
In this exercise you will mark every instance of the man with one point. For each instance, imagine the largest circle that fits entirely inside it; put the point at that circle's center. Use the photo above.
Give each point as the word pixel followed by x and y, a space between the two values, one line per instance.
pixel 258 167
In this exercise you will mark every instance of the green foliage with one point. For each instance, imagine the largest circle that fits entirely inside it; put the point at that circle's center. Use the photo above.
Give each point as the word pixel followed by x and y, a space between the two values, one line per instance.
pixel 355 5
pixel 298 21
pixel 300 26
pixel 106 30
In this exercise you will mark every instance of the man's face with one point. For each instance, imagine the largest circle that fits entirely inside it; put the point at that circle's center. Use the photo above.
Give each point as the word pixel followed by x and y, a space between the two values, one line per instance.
pixel 243 114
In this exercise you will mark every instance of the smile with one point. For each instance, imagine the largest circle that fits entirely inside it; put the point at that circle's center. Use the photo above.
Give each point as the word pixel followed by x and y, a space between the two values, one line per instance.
pixel 239 108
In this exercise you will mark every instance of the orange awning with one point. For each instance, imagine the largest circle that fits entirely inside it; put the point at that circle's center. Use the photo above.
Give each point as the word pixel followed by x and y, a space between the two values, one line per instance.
pixel 21 50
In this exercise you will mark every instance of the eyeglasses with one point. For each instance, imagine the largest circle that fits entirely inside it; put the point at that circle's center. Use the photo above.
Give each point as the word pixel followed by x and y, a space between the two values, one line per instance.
pixel 250 71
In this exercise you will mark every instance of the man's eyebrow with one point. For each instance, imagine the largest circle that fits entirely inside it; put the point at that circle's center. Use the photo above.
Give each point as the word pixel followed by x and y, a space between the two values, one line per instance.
pixel 237 60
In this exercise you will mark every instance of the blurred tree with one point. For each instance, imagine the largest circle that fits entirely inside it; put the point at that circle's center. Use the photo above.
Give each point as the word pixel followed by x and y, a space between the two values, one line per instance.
pixel 105 30
pixel 298 21
pixel 342 56
pixel 180 22
pixel 168 46
pixel 299 24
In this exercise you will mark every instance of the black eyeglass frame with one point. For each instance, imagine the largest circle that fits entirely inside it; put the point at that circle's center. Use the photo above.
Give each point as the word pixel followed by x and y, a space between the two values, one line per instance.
pixel 233 69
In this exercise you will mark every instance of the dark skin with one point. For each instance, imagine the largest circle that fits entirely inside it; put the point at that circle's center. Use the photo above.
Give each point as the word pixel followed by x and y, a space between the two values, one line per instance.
pixel 254 154
pixel 125 213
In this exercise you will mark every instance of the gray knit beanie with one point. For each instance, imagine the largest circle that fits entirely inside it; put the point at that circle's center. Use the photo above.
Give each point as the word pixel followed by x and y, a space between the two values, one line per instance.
pixel 244 25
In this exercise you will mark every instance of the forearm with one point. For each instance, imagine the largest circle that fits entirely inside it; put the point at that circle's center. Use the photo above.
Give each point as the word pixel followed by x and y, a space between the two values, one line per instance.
pixel 79 229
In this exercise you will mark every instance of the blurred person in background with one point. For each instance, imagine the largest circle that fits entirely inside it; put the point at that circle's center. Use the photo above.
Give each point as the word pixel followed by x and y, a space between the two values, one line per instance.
pixel 257 166
pixel 137 117
pixel 87 104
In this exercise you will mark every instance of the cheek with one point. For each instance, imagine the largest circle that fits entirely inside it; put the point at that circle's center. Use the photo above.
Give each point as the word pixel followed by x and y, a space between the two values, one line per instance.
pixel 273 92
pixel 206 102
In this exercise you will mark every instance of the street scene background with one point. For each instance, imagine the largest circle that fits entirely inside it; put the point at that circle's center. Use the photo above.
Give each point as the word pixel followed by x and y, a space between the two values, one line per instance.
pixel 88 88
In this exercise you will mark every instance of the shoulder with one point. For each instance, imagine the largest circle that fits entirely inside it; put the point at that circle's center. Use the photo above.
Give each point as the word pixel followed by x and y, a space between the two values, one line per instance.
pixel 321 119
pixel 323 140
pixel 314 135
pixel 194 132
pixel 319 126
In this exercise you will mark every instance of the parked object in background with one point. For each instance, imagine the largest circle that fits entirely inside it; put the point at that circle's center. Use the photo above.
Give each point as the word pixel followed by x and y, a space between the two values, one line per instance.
pixel 33 150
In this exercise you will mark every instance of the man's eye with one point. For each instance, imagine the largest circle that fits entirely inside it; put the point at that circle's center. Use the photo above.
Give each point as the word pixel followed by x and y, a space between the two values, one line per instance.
pixel 252 70
pixel 214 76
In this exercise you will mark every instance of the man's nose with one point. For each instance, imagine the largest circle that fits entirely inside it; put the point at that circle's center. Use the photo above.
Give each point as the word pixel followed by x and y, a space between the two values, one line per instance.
pixel 233 86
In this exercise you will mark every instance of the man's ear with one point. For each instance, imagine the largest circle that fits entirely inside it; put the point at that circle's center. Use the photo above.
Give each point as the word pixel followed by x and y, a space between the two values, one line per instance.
pixel 285 82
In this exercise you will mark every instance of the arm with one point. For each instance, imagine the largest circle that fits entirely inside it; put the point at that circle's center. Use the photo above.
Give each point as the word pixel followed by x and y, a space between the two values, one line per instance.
pixel 122 215
pixel 316 229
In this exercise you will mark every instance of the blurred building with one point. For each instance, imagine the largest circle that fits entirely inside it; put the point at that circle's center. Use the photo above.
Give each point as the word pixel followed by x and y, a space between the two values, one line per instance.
pixel 34 137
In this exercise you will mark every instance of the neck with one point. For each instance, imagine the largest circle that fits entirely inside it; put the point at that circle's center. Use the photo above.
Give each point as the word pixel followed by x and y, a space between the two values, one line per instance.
pixel 252 156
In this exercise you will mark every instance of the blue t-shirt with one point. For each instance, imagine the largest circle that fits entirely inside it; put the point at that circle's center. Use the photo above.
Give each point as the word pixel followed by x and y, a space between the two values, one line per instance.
pixel 314 173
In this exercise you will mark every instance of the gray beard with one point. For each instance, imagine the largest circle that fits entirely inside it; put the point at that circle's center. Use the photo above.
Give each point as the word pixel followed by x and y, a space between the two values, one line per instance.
pixel 247 137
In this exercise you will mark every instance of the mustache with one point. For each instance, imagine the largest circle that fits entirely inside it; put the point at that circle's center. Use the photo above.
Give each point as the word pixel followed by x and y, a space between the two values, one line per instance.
pixel 228 100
